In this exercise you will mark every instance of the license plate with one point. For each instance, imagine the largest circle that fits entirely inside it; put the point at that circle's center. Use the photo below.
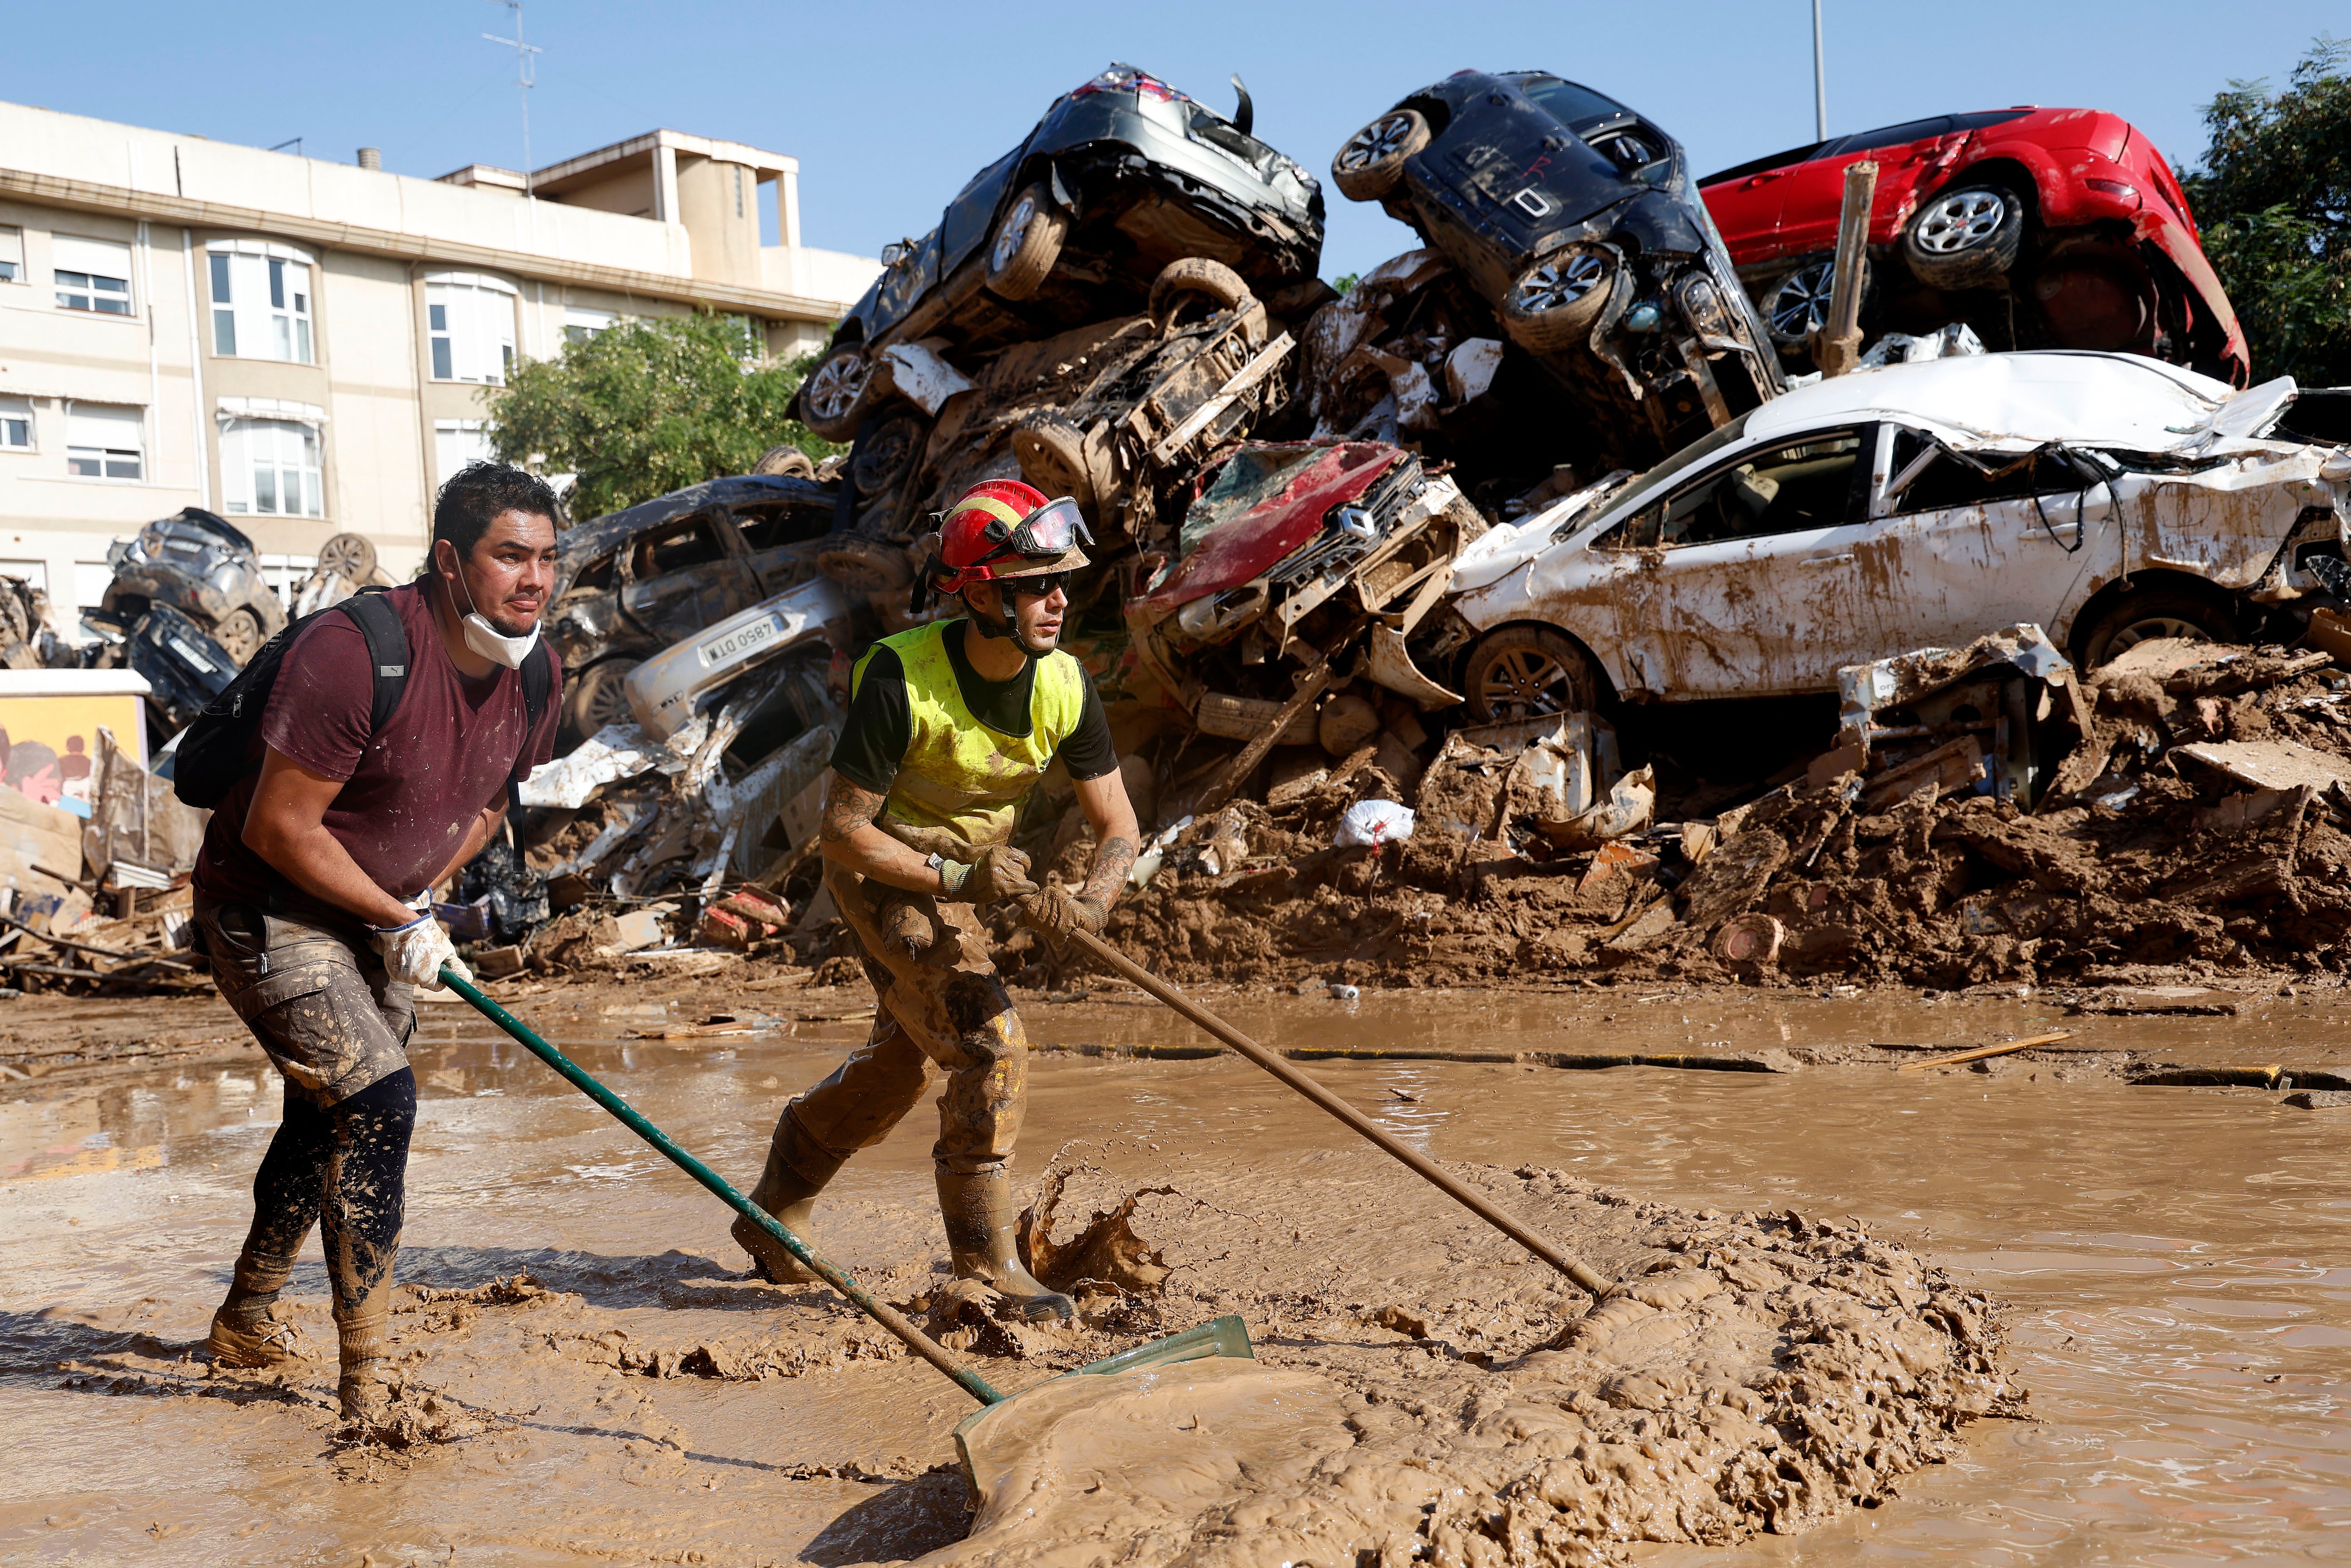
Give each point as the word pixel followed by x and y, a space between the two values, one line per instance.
pixel 731 645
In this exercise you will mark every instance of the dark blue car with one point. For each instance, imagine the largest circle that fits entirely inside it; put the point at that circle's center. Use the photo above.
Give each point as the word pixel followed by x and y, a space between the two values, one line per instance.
pixel 1576 218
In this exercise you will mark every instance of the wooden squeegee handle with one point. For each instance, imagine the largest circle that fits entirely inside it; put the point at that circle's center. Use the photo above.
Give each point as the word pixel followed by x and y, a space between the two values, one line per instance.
pixel 1460 1193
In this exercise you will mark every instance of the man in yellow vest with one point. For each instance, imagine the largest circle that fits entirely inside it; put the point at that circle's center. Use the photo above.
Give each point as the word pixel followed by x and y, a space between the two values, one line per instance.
pixel 950 726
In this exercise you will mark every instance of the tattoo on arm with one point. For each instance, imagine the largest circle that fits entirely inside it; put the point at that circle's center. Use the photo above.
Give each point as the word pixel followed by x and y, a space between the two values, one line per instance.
pixel 847 809
pixel 1111 863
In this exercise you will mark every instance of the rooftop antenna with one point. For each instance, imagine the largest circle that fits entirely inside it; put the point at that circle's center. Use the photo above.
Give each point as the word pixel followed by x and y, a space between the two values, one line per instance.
pixel 525 78
pixel 1820 74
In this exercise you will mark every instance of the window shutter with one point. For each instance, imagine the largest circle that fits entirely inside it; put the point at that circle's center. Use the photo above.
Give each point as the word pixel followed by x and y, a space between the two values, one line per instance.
pixel 99 257
pixel 97 424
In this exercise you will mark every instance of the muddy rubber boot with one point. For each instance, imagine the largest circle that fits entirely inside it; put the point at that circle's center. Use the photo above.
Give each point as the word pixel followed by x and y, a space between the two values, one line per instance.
pixel 365 1388
pixel 981 1220
pixel 796 1171
pixel 247 1332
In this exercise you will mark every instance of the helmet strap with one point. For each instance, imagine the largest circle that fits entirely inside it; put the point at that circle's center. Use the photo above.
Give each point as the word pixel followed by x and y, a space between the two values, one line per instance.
pixel 1001 626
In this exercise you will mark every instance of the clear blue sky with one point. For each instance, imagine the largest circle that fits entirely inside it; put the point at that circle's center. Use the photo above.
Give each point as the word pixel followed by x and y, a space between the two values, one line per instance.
pixel 889 107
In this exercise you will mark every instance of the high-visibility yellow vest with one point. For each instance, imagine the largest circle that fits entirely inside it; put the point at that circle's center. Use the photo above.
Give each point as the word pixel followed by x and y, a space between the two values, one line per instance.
pixel 961 782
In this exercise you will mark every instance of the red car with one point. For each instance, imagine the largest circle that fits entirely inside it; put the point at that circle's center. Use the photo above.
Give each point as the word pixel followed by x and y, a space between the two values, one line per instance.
pixel 2038 228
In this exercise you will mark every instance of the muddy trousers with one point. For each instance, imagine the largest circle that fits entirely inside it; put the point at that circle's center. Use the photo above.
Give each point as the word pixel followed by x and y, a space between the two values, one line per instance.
pixel 942 1006
pixel 345 1170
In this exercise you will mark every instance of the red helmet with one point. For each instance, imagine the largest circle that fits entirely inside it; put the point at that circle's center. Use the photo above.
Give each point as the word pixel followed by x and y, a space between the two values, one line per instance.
pixel 1002 528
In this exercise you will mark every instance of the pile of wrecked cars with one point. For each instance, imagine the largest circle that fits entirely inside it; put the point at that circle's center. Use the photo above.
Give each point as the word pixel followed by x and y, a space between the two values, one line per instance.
pixel 1470 538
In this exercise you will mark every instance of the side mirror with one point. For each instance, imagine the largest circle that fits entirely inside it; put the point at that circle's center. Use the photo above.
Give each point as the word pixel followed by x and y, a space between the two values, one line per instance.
pixel 1244 112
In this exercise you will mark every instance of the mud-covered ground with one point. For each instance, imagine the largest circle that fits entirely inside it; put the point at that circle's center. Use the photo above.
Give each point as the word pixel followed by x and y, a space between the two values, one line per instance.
pixel 1824 1253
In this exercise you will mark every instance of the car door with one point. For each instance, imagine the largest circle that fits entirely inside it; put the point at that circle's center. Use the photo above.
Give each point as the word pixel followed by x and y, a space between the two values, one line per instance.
pixel 1964 543
pixel 1755 576
pixel 971 215
pixel 1813 195
pixel 684 574
pixel 1745 201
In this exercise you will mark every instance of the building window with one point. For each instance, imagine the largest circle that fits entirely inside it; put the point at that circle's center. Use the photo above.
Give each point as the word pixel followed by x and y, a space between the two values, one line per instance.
pixel 12 255
pixel 269 467
pixel 91 275
pixel 104 442
pixel 470 321
pixel 580 323
pixel 458 442
pixel 15 425
pixel 261 304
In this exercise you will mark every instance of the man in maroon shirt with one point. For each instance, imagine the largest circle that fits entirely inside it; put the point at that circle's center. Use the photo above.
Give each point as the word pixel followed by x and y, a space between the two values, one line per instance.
pixel 312 895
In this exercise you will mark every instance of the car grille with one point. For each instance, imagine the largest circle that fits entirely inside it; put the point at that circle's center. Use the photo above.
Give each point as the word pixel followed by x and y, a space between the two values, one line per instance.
pixel 1354 529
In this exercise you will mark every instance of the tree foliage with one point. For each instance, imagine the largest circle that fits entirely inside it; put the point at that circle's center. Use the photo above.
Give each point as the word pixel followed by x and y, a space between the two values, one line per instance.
pixel 2274 200
pixel 649 406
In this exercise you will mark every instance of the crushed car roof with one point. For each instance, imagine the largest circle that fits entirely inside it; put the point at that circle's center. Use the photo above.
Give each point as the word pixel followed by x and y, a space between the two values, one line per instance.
pixel 592 537
pixel 2016 402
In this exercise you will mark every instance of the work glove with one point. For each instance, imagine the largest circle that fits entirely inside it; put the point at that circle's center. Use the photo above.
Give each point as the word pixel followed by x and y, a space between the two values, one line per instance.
pixel 413 953
pixel 1001 872
pixel 1056 911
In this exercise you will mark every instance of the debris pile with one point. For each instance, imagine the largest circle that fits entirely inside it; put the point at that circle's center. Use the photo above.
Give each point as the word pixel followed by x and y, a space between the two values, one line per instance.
pixel 1983 816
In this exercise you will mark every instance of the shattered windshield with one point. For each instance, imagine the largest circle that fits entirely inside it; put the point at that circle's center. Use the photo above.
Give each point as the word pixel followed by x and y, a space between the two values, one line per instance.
pixel 1253 475
pixel 1665 473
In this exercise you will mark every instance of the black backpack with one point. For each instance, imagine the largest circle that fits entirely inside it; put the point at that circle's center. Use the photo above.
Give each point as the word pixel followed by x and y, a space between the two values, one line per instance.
pixel 215 751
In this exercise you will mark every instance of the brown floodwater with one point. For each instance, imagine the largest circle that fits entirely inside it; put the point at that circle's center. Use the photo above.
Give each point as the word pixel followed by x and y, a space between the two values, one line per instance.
pixel 2178 1263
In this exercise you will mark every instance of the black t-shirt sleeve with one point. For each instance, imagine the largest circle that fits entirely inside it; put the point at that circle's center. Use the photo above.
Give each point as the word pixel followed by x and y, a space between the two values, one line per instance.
pixel 1089 752
pixel 874 737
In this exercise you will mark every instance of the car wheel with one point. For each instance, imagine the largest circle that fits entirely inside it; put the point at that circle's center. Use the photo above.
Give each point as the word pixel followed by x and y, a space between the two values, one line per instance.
pixel 1195 280
pixel 1522 672
pixel 1052 451
pixel 1553 304
pixel 864 565
pixel 1368 167
pixel 2155 612
pixel 348 556
pixel 1798 304
pixel 597 696
pixel 787 461
pixel 888 454
pixel 1965 238
pixel 1026 243
pixel 833 400
pixel 240 634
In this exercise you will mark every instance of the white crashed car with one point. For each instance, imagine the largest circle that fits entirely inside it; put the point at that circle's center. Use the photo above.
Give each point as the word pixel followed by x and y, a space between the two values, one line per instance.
pixel 2107 497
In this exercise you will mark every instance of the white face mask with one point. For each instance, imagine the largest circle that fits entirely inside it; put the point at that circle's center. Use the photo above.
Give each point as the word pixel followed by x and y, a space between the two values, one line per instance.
pixel 489 642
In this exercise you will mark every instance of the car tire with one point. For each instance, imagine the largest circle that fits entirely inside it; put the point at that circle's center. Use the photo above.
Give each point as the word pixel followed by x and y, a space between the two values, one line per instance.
pixel 786 461
pixel 1370 162
pixel 348 556
pixel 1550 307
pixel 1524 671
pixel 2153 612
pixel 595 697
pixel 240 634
pixel 1964 238
pixel 887 454
pixel 1052 451
pixel 1798 303
pixel 865 565
pixel 1026 244
pixel 1195 277
pixel 834 397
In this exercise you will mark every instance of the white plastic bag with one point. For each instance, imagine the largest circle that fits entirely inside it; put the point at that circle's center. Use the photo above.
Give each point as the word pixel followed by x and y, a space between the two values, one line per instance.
pixel 1373 822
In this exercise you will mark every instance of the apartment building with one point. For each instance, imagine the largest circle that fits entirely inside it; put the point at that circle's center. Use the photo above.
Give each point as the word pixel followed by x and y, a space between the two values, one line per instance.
pixel 304 347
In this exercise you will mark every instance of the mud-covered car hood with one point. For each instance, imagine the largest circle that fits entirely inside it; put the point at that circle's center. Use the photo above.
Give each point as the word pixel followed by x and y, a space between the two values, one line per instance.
pixel 1263 504
pixel 583 542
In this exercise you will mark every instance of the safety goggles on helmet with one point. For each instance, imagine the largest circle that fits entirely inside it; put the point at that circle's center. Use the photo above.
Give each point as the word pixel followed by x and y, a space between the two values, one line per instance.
pixel 1053 529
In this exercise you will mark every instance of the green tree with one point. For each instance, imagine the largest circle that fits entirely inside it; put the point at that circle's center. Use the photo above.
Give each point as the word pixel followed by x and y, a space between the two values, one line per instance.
pixel 649 406
pixel 2273 199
